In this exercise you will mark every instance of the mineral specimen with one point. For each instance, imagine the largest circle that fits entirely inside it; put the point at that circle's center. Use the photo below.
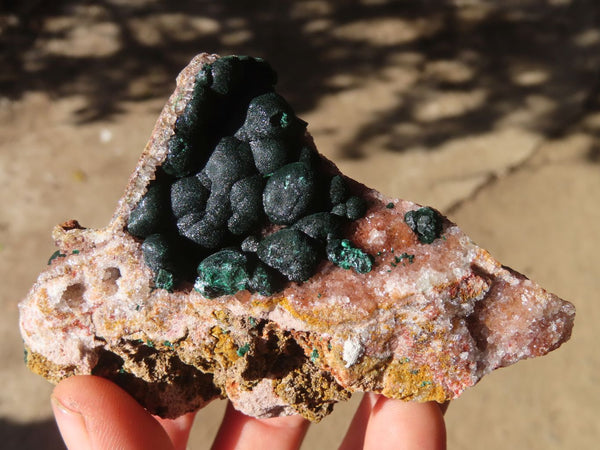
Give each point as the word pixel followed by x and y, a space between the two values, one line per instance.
pixel 241 264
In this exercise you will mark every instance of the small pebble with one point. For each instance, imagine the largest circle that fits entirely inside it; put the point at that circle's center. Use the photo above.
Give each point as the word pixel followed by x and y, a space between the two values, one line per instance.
pixel 158 253
pixel 269 115
pixel 339 210
pixel 264 280
pixel 356 208
pixel 269 154
pixel 246 205
pixel 338 193
pixel 196 114
pixel 308 156
pixel 181 158
pixel 294 254
pixel 226 73
pixel 250 244
pixel 200 229
pixel 218 207
pixel 289 193
pixel 319 226
pixel 147 217
pixel 230 161
pixel 426 223
pixel 188 195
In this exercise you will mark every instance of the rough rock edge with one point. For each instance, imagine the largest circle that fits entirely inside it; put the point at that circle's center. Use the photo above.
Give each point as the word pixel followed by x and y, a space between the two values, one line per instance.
pixel 276 355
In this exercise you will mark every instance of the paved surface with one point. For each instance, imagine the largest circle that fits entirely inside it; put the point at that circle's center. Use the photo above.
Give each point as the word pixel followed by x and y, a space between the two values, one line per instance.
pixel 491 114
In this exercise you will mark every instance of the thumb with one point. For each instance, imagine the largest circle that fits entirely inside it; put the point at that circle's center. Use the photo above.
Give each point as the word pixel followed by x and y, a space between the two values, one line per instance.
pixel 93 413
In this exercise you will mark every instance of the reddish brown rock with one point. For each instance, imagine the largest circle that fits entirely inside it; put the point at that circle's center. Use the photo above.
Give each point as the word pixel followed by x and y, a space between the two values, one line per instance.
pixel 428 321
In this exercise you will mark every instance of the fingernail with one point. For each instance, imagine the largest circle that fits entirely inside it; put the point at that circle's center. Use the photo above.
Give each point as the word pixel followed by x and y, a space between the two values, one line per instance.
pixel 71 425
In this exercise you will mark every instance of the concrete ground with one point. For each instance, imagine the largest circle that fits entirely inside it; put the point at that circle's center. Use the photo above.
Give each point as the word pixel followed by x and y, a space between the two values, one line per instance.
pixel 489 113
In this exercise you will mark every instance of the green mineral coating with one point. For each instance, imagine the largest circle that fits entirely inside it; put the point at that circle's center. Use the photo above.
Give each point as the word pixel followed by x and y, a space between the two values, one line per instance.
pixel 149 343
pixel 390 205
pixel 75 252
pixel 164 280
pixel 243 350
pixel 403 256
pixel 56 254
pixel 426 223
pixel 414 372
pixel 168 344
pixel 342 253
pixel 314 355
pixel 25 354
pixel 425 383
pixel 121 371
pixel 222 273
pixel 252 321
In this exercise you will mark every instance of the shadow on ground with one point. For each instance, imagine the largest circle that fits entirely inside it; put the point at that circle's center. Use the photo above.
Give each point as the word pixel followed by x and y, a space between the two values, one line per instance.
pixel 42 434
pixel 490 61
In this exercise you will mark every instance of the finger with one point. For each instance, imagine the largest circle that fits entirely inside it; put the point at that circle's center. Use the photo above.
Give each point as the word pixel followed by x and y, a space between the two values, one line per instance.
pixel 394 424
pixel 178 429
pixel 93 413
pixel 241 432
pixel 355 436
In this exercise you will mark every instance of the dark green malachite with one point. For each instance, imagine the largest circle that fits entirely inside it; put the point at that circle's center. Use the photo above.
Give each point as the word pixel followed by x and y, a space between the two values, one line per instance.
pixel 238 162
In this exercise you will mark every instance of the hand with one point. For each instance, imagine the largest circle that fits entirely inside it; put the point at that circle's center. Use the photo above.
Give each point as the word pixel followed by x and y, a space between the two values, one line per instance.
pixel 93 413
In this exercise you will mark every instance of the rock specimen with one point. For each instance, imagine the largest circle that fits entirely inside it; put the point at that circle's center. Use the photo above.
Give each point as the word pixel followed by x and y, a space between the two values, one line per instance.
pixel 240 263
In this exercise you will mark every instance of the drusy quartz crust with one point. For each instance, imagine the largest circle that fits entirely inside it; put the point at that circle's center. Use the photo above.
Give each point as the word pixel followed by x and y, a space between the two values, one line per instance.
pixel 238 163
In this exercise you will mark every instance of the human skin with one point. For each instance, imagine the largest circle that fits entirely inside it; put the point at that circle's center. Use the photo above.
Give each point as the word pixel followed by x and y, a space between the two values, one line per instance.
pixel 94 413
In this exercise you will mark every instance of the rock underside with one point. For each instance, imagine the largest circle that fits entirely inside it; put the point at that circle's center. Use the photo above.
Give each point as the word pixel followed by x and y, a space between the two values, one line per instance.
pixel 425 316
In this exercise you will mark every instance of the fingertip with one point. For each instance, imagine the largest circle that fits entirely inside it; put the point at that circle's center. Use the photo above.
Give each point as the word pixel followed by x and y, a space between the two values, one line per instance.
pixel 71 425
pixel 178 429
pixel 92 408
pixel 242 432
pixel 407 425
